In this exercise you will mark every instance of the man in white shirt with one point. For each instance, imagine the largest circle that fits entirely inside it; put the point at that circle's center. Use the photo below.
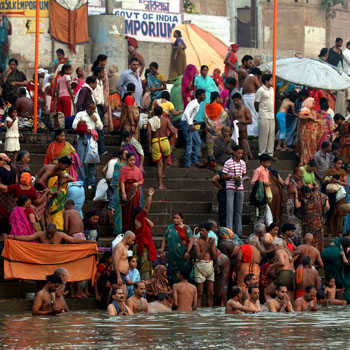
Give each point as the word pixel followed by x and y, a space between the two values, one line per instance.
pixel 101 107
pixel 265 105
pixel 191 135
pixel 84 123
pixel 346 60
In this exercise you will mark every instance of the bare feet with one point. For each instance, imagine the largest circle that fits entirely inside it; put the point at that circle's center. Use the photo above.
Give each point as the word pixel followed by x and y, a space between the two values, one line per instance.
pixel 278 148
pixel 283 149
pixel 83 295
pixel 161 188
pixel 79 295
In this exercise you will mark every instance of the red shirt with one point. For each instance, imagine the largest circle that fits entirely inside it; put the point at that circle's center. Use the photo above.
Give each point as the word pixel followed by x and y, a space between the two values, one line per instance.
pixel 17 191
pixel 129 100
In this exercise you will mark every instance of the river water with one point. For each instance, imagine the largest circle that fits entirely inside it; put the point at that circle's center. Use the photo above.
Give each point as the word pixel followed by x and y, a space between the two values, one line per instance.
pixel 204 329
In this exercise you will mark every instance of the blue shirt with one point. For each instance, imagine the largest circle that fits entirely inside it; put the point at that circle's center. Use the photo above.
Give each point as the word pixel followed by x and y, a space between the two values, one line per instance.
pixel 211 234
pixel 129 77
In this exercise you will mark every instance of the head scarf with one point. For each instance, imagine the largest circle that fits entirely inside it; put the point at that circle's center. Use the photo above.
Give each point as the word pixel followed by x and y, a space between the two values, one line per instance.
pixel 234 47
pixel 158 283
pixel 218 79
pixel 25 178
pixel 190 72
pixel 308 108
pixel 3 156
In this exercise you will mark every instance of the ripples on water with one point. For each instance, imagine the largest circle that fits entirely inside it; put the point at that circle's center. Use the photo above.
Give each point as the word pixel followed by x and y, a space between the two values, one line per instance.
pixel 204 329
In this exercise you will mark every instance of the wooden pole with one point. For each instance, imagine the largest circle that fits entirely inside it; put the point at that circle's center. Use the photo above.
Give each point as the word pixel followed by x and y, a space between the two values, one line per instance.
pixel 36 66
pixel 274 45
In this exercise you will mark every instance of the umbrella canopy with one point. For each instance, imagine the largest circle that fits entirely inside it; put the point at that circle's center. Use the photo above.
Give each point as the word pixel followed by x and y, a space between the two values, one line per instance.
pixel 311 73
pixel 202 47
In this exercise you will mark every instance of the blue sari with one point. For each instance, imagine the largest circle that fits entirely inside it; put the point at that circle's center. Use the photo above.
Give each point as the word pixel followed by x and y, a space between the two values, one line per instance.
pixel 154 82
pixel 132 276
pixel 346 226
pixel 118 224
pixel 209 86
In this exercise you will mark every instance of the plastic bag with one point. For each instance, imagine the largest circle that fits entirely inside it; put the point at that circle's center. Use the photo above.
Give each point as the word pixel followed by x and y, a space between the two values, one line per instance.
pixel 92 156
pixel 101 191
pixel 341 193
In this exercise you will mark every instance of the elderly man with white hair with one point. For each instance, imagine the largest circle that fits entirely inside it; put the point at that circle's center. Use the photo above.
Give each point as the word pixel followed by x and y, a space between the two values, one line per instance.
pixel 58 296
pixel 284 270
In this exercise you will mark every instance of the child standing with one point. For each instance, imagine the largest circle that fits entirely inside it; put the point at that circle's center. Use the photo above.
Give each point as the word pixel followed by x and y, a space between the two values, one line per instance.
pixel 64 92
pixel 133 276
pixel 78 81
pixel 12 134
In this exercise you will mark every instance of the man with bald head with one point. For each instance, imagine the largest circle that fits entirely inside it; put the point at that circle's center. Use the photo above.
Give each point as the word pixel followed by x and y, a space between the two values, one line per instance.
pixel 307 249
pixel 120 263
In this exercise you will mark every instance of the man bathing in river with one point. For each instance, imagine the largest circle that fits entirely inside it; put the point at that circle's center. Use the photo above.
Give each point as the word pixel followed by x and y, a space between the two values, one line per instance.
pixel 44 303
pixel 233 306
pixel 282 302
pixel 59 295
pixel 308 249
pixel 305 276
pixel 159 305
pixel 118 307
pixel 73 223
pixel 185 294
pixel 253 298
pixel 308 301
pixel 138 303
pixel 120 264
pixel 249 280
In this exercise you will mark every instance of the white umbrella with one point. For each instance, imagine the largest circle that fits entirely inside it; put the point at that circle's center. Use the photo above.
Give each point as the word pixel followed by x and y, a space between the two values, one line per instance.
pixel 311 73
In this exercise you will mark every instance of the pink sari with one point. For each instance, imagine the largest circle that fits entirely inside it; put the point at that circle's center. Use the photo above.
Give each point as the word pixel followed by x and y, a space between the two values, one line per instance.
pixel 188 78
pixel 20 225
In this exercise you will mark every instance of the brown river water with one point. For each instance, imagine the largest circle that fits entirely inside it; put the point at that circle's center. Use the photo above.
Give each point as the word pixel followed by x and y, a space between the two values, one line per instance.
pixel 203 329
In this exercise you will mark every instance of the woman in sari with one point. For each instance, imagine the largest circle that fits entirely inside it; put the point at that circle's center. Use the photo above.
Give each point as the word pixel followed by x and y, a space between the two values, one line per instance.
pixel 326 122
pixel 208 85
pixel 313 207
pixel 144 248
pixel 187 84
pixel 57 64
pixel 335 175
pixel 294 182
pixel 21 163
pixel 179 239
pixel 346 227
pixel 156 81
pixel 60 148
pixel 129 120
pixel 130 179
pixel 215 120
pixel 231 62
pixel 218 79
pixel 178 56
pixel 158 283
pixel 22 218
pixel 91 228
pixel 121 161
pixel 7 177
pixel 309 132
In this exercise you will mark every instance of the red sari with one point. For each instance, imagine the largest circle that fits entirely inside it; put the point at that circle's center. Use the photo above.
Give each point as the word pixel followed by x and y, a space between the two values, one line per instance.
pixel 129 176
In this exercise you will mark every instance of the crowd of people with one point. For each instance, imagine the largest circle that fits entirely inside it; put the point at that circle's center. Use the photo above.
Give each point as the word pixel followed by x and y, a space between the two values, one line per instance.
pixel 218 114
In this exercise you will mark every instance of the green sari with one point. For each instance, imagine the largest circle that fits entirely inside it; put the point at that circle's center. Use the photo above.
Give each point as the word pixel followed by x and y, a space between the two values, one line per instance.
pixel 176 99
pixel 118 224
pixel 177 250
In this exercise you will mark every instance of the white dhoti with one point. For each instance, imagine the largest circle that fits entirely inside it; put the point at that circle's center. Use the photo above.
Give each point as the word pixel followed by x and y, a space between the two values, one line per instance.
pixel 248 100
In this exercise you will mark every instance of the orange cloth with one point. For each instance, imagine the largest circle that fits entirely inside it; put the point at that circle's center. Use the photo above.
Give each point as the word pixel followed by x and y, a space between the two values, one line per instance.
pixel 299 275
pixel 213 110
pixel 69 26
pixel 34 261
pixel 299 293
pixel 247 251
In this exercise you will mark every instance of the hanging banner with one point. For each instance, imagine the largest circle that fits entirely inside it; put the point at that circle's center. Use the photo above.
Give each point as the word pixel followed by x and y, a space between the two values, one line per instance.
pixel 149 26
pixel 18 8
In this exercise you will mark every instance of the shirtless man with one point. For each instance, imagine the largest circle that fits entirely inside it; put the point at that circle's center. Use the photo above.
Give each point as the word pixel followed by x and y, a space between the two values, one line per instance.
pixel 159 305
pixel 287 104
pixel 24 105
pixel 60 301
pixel 305 276
pixel 120 264
pixel 137 303
pixel 331 292
pixel 244 69
pixel 249 280
pixel 233 306
pixel 281 303
pixel 158 142
pixel 204 266
pixel 250 86
pixel 73 224
pixel 253 301
pixel 185 294
pixel 308 249
pixel 50 236
pixel 118 307
pixel 243 116
pixel 308 301
pixel 51 170
pixel 284 270
pixel 44 303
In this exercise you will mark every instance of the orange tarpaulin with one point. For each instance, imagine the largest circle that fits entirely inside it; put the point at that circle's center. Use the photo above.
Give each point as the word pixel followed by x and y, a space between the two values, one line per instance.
pixel 69 26
pixel 34 261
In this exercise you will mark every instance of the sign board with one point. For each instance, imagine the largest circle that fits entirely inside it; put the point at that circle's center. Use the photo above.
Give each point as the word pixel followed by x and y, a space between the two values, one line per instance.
pixel 30 26
pixel 18 8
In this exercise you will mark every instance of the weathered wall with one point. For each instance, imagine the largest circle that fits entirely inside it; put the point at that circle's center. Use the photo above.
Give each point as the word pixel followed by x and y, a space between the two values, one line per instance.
pixel 339 25
pixel 211 7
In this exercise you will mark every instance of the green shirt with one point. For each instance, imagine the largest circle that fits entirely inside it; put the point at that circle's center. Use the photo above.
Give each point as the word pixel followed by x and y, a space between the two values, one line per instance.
pixel 309 178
